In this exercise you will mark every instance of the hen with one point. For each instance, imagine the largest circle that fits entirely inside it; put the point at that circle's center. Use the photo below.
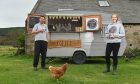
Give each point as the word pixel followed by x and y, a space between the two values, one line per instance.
pixel 57 72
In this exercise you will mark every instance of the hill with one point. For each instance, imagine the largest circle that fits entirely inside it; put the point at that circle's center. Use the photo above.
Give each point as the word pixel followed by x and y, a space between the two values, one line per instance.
pixel 5 31
pixel 9 36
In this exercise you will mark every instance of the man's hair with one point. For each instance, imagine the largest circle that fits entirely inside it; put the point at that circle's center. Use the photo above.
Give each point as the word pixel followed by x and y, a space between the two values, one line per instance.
pixel 42 16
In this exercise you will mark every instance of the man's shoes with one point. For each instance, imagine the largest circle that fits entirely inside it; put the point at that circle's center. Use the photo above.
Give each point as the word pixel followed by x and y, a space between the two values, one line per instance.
pixel 35 68
pixel 114 72
pixel 44 67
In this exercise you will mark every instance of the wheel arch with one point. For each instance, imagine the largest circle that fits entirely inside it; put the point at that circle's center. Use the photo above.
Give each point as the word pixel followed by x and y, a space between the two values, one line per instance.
pixel 79 57
pixel 79 50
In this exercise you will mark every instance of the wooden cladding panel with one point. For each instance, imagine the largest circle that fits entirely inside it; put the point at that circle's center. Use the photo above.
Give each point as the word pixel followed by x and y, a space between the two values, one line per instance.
pixel 64 43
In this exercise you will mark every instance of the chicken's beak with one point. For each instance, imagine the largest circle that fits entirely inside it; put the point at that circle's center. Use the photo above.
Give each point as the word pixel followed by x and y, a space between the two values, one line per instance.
pixel 66 64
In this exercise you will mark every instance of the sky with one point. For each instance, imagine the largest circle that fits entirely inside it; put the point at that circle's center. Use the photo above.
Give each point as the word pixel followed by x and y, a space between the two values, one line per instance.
pixel 13 13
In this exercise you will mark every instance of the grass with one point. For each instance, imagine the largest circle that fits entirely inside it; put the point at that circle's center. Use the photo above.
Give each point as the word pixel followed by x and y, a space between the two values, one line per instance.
pixel 18 70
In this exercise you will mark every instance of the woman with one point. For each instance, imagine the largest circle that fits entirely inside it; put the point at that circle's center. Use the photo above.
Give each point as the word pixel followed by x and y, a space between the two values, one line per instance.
pixel 114 32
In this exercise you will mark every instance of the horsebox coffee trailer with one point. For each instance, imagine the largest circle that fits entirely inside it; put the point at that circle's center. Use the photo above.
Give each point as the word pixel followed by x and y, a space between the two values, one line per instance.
pixel 75 34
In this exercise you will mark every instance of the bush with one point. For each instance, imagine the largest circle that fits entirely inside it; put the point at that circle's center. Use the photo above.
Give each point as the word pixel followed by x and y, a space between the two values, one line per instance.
pixel 131 52
pixel 21 44
pixel 21 40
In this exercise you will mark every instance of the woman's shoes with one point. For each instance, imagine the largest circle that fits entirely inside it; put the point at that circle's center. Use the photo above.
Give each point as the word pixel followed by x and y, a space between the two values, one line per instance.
pixel 35 68
pixel 114 72
pixel 106 71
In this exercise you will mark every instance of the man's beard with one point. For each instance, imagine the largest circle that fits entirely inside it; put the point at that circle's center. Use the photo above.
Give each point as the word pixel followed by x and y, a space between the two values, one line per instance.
pixel 42 22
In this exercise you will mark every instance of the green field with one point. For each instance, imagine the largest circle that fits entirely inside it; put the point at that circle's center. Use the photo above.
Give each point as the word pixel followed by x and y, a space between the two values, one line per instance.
pixel 18 70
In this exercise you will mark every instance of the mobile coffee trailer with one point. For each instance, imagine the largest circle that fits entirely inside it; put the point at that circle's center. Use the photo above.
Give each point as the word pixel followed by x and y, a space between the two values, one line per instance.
pixel 76 34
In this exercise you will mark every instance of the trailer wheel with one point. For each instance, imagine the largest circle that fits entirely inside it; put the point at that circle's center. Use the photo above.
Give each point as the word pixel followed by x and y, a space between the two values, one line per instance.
pixel 79 57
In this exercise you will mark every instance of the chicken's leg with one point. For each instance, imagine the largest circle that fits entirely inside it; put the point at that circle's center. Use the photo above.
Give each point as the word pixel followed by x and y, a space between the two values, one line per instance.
pixel 57 80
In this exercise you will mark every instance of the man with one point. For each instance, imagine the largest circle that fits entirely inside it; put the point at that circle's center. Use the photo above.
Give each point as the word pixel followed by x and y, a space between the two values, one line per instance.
pixel 41 42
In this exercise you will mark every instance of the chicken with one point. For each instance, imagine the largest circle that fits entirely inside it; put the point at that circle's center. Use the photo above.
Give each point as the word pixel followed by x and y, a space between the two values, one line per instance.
pixel 57 72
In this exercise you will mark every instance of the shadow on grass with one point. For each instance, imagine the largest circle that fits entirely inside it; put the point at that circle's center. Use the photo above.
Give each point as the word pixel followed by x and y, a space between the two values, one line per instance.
pixel 98 60
pixel 95 62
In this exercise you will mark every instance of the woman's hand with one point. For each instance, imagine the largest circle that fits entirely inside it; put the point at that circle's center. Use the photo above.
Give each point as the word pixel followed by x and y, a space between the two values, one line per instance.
pixel 112 36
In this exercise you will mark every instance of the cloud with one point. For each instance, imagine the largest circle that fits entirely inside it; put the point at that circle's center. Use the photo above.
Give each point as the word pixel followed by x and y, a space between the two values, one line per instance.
pixel 14 12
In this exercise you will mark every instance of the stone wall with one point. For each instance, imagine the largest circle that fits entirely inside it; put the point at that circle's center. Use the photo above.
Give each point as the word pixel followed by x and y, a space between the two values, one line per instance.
pixel 29 43
pixel 133 35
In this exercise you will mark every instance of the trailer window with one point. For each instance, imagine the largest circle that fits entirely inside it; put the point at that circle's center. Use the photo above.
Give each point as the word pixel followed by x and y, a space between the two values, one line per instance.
pixel 65 23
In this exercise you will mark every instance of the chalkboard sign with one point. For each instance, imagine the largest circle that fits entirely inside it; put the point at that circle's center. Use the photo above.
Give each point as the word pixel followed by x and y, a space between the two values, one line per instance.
pixel 33 21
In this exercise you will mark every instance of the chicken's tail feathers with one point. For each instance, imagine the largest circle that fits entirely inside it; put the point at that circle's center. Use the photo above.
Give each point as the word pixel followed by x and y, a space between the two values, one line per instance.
pixel 50 68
